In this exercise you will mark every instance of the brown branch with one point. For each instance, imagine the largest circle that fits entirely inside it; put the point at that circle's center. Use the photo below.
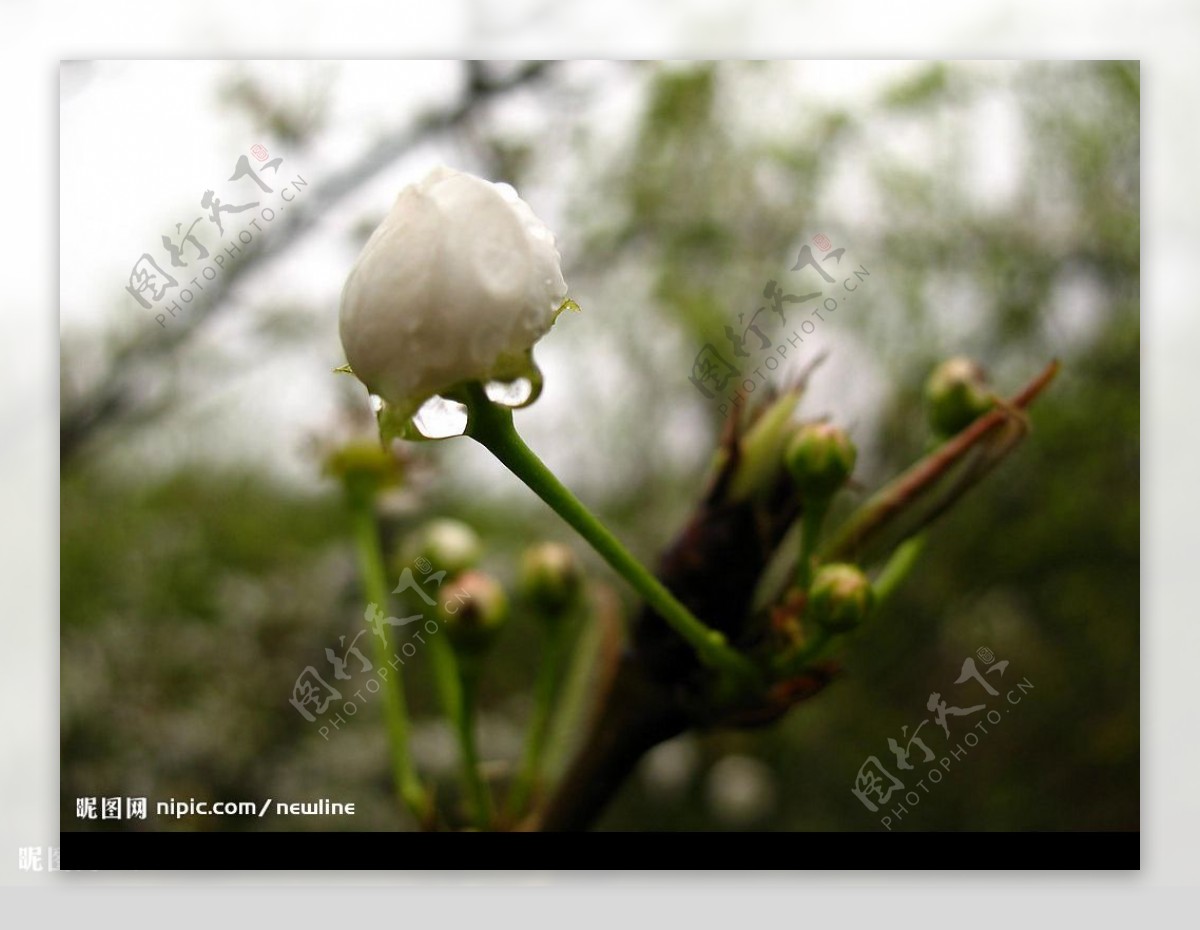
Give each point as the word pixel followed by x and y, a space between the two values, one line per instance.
pixel 898 495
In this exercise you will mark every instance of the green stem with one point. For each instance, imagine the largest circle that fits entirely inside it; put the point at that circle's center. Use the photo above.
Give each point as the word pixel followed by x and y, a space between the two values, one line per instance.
pixel 898 568
pixel 477 791
pixel 455 682
pixel 491 426
pixel 570 710
pixel 445 675
pixel 810 533
pixel 395 713
pixel 557 636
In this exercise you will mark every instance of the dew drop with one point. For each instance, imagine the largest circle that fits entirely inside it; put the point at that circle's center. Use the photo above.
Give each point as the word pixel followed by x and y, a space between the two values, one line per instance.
pixel 439 418
pixel 376 403
pixel 514 393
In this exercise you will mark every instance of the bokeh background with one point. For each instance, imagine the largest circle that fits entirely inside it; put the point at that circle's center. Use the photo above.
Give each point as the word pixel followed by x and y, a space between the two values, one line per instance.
pixel 205 562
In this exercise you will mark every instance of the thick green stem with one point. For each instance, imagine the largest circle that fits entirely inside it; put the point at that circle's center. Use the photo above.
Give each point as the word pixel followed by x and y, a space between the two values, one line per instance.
pixel 395 713
pixel 477 792
pixel 491 426
pixel 557 637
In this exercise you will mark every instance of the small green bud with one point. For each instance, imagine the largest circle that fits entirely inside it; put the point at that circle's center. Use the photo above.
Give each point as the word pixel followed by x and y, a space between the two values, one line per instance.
pixel 957 394
pixel 473 607
pixel 449 545
pixel 820 458
pixel 550 577
pixel 840 597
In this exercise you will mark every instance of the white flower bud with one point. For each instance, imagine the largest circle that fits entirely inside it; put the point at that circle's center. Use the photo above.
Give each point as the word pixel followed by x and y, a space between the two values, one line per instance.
pixel 456 285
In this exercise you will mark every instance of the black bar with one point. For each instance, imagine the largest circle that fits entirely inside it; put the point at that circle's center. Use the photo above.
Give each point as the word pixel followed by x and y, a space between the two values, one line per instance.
pixel 467 851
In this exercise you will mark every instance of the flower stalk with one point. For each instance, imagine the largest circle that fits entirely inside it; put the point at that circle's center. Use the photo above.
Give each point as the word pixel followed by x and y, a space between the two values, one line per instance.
pixel 491 426
pixel 395 712
pixel 554 653
pixel 479 797
pixel 811 522
pixel 473 607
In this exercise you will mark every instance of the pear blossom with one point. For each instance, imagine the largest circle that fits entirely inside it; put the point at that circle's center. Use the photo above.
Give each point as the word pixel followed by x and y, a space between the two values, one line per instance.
pixel 456 285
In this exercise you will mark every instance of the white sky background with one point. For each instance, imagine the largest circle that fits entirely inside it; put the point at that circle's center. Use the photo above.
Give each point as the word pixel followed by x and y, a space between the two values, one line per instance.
pixel 36 34
pixel 142 140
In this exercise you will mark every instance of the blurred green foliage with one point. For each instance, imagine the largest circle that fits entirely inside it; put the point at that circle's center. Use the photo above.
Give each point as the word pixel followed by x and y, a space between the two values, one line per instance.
pixel 192 597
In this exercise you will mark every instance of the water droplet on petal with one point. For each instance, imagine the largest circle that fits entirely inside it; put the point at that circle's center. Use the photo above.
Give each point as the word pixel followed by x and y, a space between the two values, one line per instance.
pixel 439 418
pixel 376 403
pixel 514 393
